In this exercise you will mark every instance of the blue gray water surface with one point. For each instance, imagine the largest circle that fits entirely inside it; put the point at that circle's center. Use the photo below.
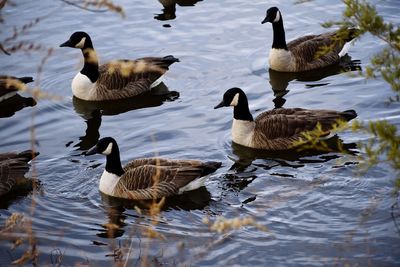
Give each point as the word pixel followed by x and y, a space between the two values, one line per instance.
pixel 319 210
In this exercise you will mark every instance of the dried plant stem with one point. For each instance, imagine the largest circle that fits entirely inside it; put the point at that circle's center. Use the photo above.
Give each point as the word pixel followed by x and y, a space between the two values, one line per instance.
pixel 83 7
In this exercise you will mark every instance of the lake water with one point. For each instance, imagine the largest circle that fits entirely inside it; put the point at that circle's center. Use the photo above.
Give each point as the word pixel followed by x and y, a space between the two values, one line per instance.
pixel 318 208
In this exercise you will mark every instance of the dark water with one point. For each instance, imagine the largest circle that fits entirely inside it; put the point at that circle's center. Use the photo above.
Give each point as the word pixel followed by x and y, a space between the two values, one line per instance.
pixel 319 210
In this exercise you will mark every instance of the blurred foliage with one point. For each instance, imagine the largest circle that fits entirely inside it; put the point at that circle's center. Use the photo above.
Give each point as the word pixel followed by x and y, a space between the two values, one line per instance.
pixel 314 139
pixel 12 44
pixel 385 144
pixel 386 64
pixel 364 16
pixel 222 224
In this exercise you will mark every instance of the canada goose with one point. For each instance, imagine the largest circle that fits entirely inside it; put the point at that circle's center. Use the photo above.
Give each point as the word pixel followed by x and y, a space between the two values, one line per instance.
pixel 117 79
pixel 148 178
pixel 275 129
pixel 9 85
pixel 13 166
pixel 305 53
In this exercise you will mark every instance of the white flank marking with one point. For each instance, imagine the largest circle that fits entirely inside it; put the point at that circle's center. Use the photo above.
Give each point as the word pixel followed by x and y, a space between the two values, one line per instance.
pixel 82 87
pixel 156 82
pixel 108 181
pixel 235 100
pixel 197 183
pixel 8 95
pixel 345 49
pixel 242 132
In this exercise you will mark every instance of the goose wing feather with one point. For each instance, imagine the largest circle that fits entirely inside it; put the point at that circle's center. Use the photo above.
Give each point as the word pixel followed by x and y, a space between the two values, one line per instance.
pixel 305 49
pixel 11 84
pixel 150 181
pixel 128 75
pixel 161 162
pixel 280 127
pixel 12 167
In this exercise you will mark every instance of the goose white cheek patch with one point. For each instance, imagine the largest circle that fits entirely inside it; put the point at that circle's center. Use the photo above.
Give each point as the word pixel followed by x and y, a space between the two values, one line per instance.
pixel 108 149
pixel 81 43
pixel 235 100
pixel 277 17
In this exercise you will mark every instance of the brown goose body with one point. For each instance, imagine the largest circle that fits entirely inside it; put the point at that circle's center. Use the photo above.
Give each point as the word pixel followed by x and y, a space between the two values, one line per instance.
pixel 9 85
pixel 153 178
pixel 276 129
pixel 13 166
pixel 149 178
pixel 126 78
pixel 308 52
pixel 117 79
pixel 304 51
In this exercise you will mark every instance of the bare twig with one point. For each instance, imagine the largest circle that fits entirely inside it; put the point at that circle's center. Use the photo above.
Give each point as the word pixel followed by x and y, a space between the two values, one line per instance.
pixel 83 7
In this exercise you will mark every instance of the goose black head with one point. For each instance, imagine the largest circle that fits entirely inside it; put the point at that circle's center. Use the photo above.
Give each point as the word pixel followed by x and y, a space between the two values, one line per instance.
pixel 273 15
pixel 78 40
pixel 104 146
pixel 236 98
pixel 231 98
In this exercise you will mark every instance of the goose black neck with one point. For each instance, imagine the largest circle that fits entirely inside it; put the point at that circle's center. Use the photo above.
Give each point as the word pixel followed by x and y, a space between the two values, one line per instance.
pixel 113 164
pixel 91 64
pixel 279 35
pixel 241 110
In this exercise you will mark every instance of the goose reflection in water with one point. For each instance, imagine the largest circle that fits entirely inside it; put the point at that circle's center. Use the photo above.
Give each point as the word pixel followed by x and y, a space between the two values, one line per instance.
pixel 280 80
pixel 115 225
pixel 242 171
pixel 116 207
pixel 193 200
pixel 170 8
pixel 295 158
pixel 15 103
pixel 13 183
pixel 92 111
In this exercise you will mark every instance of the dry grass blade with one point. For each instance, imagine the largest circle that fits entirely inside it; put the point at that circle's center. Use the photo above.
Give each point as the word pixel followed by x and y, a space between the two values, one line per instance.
pixel 2 3
pixel 96 5
pixel 223 225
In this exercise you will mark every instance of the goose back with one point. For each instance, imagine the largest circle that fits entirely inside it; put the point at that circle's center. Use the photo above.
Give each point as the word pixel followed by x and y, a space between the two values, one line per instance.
pixel 127 78
pixel 277 129
pixel 9 85
pixel 152 178
pixel 305 51
pixel 13 166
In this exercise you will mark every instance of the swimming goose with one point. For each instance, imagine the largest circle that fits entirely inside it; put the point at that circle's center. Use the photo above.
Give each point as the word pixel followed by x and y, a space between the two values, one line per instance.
pixel 13 166
pixel 148 178
pixel 276 129
pixel 305 53
pixel 9 85
pixel 117 79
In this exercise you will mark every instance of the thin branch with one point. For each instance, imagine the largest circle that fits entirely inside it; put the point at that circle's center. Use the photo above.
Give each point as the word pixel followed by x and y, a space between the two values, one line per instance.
pixel 4 50
pixel 84 8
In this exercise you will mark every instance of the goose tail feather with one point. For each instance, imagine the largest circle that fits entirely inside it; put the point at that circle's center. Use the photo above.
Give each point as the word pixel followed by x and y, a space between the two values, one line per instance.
pixel 28 155
pixel 352 33
pixel 169 60
pixel 210 167
pixel 26 79
pixel 349 114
